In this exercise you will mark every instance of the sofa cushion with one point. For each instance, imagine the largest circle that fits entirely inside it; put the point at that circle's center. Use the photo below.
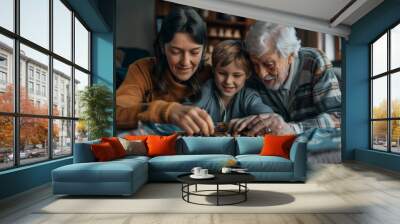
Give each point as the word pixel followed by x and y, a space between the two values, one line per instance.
pixel 134 147
pixel 206 145
pixel 83 152
pixel 103 151
pixel 161 145
pixel 131 158
pixel 249 145
pixel 277 145
pixel 257 163
pixel 136 137
pixel 118 177
pixel 111 171
pixel 116 145
pixel 185 163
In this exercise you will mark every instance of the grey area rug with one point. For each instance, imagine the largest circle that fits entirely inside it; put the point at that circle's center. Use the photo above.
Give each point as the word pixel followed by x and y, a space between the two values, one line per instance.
pixel 166 198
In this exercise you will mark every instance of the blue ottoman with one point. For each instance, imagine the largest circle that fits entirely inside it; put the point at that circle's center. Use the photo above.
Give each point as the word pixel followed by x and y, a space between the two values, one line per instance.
pixel 118 177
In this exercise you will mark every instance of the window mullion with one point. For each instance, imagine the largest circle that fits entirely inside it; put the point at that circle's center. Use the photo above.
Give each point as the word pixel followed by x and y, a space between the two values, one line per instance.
pixel 389 106
pixel 50 81
pixel 16 84
pixel 371 89
pixel 73 82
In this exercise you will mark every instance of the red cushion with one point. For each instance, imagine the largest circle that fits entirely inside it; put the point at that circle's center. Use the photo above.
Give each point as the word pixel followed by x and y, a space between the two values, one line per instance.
pixel 116 145
pixel 161 145
pixel 277 145
pixel 103 151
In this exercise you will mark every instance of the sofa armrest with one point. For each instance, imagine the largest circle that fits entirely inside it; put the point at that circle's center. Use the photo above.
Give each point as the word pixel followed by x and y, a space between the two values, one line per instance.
pixel 298 156
pixel 83 152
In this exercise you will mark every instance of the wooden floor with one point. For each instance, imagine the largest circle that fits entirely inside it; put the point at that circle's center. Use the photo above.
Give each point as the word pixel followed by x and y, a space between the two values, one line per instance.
pixel 378 188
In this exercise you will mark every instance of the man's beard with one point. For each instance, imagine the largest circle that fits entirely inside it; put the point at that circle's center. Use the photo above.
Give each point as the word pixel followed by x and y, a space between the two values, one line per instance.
pixel 276 83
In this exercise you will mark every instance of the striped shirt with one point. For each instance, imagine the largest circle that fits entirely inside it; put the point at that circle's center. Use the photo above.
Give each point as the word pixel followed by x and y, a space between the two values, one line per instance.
pixel 310 97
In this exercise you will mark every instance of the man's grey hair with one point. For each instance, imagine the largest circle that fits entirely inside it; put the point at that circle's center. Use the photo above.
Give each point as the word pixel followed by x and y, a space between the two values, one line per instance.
pixel 264 34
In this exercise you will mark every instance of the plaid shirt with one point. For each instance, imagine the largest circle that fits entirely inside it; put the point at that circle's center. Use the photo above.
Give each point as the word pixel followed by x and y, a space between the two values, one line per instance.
pixel 310 97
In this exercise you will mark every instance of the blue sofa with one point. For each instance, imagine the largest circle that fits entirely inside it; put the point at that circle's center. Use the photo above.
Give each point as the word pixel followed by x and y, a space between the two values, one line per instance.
pixel 125 176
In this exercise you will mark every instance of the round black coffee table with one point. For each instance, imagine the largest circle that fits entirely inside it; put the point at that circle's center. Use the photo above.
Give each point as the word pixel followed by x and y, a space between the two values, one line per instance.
pixel 238 179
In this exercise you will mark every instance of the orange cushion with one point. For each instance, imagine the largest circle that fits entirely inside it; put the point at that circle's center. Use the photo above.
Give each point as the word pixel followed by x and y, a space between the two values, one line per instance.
pixel 116 145
pixel 103 151
pixel 161 145
pixel 136 137
pixel 277 145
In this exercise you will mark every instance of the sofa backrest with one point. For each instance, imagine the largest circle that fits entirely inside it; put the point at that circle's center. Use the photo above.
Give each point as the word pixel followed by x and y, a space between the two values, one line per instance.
pixel 83 152
pixel 249 145
pixel 190 146
pixel 206 145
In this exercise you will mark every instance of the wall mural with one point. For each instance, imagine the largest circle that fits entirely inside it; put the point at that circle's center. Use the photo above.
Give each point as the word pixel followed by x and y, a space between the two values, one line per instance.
pixel 214 74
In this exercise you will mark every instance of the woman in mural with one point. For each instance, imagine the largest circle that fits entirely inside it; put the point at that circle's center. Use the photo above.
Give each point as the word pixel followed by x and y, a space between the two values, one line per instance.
pixel 155 89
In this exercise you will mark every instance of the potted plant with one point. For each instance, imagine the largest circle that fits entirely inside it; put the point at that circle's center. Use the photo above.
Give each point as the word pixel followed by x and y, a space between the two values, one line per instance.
pixel 96 104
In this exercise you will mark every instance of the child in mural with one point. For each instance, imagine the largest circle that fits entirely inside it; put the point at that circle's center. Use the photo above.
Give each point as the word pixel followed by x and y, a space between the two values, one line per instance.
pixel 225 97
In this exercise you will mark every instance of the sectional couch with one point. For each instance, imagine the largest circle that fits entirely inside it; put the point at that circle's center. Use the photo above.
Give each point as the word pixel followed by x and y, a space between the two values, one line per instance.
pixel 125 176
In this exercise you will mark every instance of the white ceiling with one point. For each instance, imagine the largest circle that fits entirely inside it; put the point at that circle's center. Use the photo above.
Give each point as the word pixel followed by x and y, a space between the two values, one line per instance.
pixel 315 15
pixel 320 9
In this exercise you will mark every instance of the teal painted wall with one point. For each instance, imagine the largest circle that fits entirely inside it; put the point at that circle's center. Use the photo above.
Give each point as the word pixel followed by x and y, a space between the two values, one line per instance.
pixel 103 53
pixel 379 159
pixel 103 64
pixel 24 178
pixel 356 71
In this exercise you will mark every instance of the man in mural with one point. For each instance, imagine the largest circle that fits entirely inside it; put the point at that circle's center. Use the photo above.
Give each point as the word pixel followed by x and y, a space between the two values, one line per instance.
pixel 298 83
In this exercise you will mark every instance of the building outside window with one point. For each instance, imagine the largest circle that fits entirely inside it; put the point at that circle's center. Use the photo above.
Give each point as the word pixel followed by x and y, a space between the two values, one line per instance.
pixel 43 90
pixel 55 96
pixel 3 78
pixel 37 75
pixel 44 78
pixel 30 72
pixel 3 71
pixel 3 61
pixel 38 89
pixel 30 87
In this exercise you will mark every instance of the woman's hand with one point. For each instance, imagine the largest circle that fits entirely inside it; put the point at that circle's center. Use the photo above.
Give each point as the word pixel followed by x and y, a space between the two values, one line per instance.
pixel 193 120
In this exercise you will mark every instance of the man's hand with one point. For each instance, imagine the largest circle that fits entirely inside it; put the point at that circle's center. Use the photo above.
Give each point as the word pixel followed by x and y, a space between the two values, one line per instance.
pixel 239 125
pixel 193 120
pixel 263 124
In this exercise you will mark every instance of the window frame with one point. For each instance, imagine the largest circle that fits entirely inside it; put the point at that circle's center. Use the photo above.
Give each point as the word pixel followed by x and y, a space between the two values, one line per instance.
pixel 388 74
pixel 16 115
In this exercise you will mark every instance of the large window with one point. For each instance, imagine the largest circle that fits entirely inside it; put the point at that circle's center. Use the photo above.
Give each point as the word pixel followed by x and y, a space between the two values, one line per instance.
pixel 44 64
pixel 385 92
